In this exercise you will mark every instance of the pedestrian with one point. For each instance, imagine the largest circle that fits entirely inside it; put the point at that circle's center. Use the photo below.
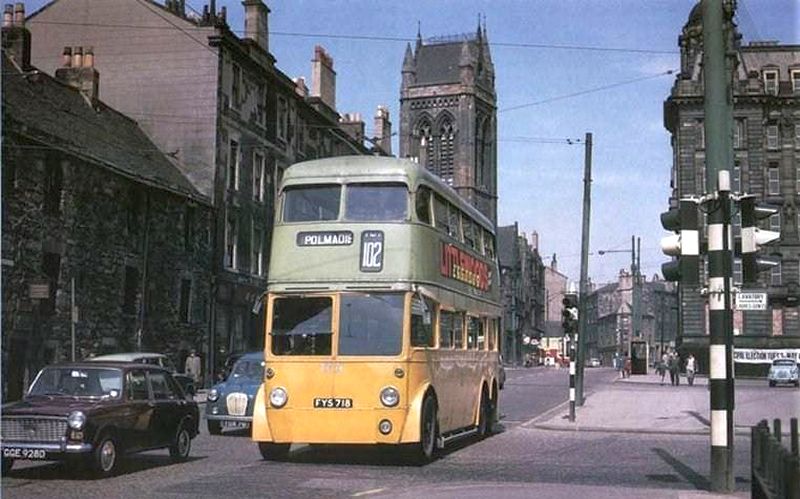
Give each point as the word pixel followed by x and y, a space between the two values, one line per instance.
pixel 626 371
pixel 662 366
pixel 192 367
pixel 674 366
pixel 690 368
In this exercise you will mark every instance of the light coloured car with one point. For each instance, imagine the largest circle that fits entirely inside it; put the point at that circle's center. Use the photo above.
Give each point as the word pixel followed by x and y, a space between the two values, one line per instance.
pixel 783 371
pixel 594 362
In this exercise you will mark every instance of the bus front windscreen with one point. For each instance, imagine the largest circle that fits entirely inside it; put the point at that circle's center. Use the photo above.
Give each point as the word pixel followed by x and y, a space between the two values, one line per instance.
pixel 376 202
pixel 371 324
pixel 311 203
pixel 302 325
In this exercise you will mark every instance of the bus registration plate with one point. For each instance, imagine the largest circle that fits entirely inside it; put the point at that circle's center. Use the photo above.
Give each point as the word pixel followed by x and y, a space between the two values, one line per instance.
pixel 333 403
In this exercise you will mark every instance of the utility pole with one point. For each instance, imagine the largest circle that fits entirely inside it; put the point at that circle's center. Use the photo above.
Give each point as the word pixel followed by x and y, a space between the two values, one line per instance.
pixel 584 284
pixel 718 110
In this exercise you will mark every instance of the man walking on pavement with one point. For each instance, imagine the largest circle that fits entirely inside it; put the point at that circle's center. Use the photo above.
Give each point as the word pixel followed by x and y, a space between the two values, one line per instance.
pixel 674 369
pixel 690 367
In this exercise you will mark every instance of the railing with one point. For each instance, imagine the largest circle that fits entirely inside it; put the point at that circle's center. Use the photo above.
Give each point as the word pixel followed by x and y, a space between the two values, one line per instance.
pixel 775 469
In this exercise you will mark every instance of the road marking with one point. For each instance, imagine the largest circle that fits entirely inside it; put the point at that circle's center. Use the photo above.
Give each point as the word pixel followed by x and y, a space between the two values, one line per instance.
pixel 367 492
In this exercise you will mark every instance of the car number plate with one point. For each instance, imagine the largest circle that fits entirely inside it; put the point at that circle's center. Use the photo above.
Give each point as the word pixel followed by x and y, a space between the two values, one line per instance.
pixel 235 425
pixel 19 453
pixel 333 403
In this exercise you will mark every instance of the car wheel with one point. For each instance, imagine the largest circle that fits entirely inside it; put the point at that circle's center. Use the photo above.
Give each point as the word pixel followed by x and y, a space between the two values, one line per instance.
pixel 771 383
pixel 273 452
pixel 7 464
pixel 181 445
pixel 425 451
pixel 105 457
pixel 214 427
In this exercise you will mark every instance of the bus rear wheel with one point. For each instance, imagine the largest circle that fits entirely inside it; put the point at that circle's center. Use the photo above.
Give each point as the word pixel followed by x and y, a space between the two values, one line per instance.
pixel 425 450
pixel 273 452
pixel 486 416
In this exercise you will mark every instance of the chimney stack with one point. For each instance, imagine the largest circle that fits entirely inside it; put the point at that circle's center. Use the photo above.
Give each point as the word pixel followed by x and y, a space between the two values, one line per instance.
pixel 383 130
pixel 256 23
pixel 16 37
pixel 353 125
pixel 79 72
pixel 323 78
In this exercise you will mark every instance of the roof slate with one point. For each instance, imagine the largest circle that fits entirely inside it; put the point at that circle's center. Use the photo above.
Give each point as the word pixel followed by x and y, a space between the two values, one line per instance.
pixel 57 115
pixel 439 63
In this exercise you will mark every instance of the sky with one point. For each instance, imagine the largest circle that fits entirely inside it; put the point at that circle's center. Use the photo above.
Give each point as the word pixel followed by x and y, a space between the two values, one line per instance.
pixel 563 68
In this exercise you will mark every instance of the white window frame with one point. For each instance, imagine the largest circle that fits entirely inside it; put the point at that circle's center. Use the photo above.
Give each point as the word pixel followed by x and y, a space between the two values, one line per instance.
pixel 795 75
pixel 775 277
pixel 775 222
pixel 259 169
pixel 797 135
pixel 282 126
pixel 739 133
pixel 773 181
pixel 770 76
pixel 257 260
pixel 231 240
pixel 701 135
pixel 234 153
pixel 772 137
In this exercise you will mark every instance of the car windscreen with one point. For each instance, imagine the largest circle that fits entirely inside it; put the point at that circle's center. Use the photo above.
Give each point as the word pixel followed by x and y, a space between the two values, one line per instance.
pixel 371 324
pixel 247 370
pixel 78 382
pixel 311 203
pixel 302 325
pixel 376 202
pixel 783 362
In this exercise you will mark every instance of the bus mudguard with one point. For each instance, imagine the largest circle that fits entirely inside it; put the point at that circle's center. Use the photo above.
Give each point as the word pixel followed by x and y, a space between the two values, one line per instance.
pixel 412 425
pixel 260 426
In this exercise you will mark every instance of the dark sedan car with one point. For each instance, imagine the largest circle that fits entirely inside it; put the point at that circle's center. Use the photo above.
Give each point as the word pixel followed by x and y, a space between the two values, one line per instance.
pixel 96 412
pixel 230 403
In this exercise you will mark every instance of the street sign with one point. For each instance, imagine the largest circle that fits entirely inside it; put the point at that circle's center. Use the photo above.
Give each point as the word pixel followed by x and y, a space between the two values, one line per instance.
pixel 751 301
pixel 39 291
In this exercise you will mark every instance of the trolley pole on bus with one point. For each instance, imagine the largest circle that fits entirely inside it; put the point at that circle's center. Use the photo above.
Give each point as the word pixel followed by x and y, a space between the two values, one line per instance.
pixel 584 284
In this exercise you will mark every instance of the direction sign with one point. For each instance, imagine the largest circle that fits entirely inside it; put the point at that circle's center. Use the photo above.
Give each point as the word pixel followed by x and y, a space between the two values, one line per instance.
pixel 751 301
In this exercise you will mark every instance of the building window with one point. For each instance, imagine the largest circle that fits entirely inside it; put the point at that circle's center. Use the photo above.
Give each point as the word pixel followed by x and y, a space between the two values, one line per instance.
pixel 51 268
pixel 231 240
pixel 775 222
pixel 131 286
pixel 737 272
pixel 772 136
pixel 185 300
pixel 134 210
pixel 701 135
pixel 796 81
pixel 236 87
pixel 797 136
pixel 774 179
pixel 233 166
pixel 771 82
pixel 737 176
pixel 259 166
pixel 261 106
pixel 53 187
pixel 188 227
pixel 446 139
pixel 283 118
pixel 775 275
pixel 426 150
pixel 257 261
pixel 739 138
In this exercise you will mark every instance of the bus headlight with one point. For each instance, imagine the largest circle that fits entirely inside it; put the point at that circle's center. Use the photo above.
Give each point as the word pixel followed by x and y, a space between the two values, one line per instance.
pixel 278 397
pixel 76 420
pixel 390 396
pixel 213 395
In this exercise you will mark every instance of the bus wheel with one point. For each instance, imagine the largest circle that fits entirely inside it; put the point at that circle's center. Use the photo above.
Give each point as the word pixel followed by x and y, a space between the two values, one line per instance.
pixel 273 452
pixel 428 432
pixel 486 416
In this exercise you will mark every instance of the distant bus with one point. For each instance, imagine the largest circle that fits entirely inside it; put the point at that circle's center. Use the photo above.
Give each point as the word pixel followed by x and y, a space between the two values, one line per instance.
pixel 382 311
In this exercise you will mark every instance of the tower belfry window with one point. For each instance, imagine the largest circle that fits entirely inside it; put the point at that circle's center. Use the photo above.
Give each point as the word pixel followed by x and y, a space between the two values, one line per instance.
pixel 446 163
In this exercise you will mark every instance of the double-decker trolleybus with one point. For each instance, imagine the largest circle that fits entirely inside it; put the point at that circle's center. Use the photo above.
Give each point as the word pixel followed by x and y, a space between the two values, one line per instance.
pixel 382 311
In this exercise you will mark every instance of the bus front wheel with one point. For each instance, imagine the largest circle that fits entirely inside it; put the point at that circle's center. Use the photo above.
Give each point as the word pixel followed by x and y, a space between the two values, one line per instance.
pixel 486 416
pixel 273 452
pixel 428 432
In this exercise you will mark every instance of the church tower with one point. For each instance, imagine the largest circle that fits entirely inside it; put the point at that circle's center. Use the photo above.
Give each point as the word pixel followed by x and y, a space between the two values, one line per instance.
pixel 448 114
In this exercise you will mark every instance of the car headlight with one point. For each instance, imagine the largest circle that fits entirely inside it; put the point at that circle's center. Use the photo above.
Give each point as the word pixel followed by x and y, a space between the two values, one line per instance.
pixel 278 397
pixel 213 395
pixel 76 420
pixel 390 396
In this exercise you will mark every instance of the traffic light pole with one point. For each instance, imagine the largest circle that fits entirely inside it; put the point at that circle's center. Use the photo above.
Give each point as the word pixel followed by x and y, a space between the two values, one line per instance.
pixel 584 284
pixel 718 110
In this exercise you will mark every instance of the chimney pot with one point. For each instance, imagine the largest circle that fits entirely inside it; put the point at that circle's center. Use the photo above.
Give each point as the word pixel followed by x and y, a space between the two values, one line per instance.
pixel 77 57
pixel 8 16
pixel 66 58
pixel 88 57
pixel 19 14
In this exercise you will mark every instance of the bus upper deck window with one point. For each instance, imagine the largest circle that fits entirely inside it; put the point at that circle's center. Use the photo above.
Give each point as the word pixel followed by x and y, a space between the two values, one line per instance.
pixel 311 203
pixel 376 202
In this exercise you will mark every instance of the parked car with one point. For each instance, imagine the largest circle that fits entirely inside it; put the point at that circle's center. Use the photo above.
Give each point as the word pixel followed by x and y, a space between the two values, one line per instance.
pixel 594 362
pixel 230 403
pixel 783 371
pixel 96 412
pixel 155 359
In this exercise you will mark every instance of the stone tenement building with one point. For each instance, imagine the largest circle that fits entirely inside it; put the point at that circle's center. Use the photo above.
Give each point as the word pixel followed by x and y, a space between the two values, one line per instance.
pixel 448 114
pixel 218 104
pixel 766 141
pixel 95 215
pixel 522 289
pixel 609 320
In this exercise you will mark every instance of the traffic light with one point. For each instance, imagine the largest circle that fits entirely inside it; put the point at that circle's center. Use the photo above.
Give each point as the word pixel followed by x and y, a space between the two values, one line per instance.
pixel 684 245
pixel 753 238
pixel 569 314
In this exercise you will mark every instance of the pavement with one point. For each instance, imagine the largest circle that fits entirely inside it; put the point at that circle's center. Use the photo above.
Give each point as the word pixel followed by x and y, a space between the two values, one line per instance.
pixel 641 404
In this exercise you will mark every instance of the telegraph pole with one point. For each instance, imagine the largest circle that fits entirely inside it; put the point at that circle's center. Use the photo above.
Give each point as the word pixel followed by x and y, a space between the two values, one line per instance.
pixel 718 109
pixel 584 284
